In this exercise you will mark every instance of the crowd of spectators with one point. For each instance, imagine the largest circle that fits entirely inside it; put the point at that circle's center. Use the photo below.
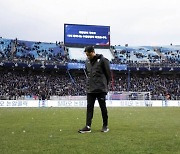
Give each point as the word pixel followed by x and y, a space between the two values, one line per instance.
pixel 157 84
pixel 30 84
pixel 33 84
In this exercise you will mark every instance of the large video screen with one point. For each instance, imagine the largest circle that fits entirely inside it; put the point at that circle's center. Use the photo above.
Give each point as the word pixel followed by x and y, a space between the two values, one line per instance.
pixel 75 34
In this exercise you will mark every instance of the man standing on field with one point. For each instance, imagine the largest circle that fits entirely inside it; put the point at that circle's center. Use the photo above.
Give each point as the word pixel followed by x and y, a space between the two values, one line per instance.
pixel 98 78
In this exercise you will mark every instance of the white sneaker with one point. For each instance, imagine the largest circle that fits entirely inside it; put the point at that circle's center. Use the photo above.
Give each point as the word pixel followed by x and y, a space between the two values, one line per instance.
pixel 105 129
pixel 86 129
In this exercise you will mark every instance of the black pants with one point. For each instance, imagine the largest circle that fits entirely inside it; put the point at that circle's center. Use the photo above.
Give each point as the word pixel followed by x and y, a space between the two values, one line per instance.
pixel 101 97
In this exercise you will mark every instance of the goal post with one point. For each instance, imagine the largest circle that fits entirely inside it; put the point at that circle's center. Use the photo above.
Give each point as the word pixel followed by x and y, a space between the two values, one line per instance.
pixel 118 95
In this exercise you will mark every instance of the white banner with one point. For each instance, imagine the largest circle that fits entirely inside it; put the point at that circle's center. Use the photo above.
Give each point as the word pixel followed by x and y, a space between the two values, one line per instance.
pixel 19 103
pixel 83 103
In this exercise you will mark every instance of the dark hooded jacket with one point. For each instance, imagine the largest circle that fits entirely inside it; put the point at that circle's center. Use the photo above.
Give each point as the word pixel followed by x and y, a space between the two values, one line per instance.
pixel 98 74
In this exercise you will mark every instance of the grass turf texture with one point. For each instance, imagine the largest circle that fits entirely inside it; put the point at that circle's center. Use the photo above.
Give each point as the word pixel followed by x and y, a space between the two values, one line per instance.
pixel 54 131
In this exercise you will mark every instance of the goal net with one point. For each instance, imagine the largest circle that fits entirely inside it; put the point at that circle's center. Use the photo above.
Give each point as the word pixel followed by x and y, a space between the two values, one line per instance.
pixel 117 95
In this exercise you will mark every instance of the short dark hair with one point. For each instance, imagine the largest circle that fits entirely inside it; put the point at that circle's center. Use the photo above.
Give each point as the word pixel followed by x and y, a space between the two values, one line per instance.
pixel 89 49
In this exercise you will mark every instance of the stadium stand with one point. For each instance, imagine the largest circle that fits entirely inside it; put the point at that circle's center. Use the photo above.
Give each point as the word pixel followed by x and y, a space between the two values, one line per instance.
pixel 172 53
pixel 140 54
pixel 28 68
pixel 5 48
pixel 29 50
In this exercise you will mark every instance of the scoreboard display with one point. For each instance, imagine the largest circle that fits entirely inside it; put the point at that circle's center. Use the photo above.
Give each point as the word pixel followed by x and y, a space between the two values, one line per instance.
pixel 82 35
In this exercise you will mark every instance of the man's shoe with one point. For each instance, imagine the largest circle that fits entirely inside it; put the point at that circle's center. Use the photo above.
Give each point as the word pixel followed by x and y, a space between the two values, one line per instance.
pixel 105 129
pixel 86 129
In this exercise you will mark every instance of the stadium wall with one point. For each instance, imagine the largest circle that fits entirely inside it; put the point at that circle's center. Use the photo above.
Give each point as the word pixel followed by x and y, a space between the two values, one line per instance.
pixel 83 103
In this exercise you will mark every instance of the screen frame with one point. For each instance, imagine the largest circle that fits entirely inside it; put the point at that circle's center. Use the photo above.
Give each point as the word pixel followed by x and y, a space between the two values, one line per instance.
pixel 84 44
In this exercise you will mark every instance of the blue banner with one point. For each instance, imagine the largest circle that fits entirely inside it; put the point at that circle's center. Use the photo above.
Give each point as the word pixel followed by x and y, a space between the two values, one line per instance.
pixel 118 67
pixel 82 66
pixel 76 66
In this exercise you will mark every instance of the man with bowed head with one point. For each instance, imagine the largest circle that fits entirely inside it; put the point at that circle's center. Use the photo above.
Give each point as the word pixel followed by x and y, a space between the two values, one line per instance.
pixel 98 77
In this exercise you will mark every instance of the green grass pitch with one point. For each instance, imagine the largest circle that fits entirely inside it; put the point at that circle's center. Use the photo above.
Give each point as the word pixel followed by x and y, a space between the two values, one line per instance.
pixel 54 131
